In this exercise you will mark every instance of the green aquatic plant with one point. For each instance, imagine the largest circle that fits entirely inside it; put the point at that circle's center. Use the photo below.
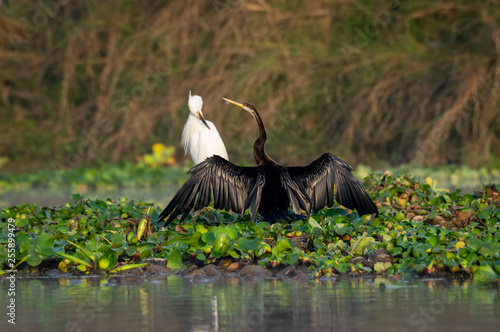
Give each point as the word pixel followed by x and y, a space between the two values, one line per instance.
pixel 421 230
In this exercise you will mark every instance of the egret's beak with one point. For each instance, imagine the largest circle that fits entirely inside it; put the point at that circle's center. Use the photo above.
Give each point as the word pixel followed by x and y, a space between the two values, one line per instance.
pixel 200 116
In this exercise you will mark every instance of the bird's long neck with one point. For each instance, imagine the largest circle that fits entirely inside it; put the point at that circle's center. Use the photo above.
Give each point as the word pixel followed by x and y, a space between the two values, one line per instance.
pixel 258 145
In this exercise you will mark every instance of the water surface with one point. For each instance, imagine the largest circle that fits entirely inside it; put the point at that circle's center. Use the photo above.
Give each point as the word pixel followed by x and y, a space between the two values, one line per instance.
pixel 173 304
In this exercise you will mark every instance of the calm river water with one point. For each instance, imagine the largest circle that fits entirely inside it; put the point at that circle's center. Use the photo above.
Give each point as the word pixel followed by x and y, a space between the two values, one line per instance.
pixel 174 304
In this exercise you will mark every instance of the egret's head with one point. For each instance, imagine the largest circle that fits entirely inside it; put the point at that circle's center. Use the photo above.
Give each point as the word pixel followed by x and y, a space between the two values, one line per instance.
pixel 195 104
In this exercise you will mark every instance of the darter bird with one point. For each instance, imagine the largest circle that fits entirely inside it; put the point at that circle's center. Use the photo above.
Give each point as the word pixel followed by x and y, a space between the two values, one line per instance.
pixel 269 188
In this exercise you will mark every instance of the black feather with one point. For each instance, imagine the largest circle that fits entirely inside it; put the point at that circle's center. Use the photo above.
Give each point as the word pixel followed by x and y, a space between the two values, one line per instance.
pixel 270 188
pixel 319 178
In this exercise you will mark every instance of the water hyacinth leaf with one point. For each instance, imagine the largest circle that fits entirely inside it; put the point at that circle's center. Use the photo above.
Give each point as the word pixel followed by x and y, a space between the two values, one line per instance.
pixel 447 198
pixel 363 245
pixel 474 244
pixel 496 267
pixel 127 208
pixel 86 252
pixel 145 253
pixel 221 245
pixel 200 228
pixel 73 259
pixel 131 238
pixel 431 183
pixel 206 249
pixel 82 267
pixel 358 222
pixel 290 258
pixel 332 247
pixel 490 252
pixel 485 213
pixel 130 250
pixel 104 262
pixel 76 197
pixel 21 239
pixel 21 222
pixel 262 262
pixel 44 245
pixel 363 268
pixel 491 222
pixel 399 216
pixel 118 240
pixel 255 229
pixel 319 243
pixel 341 229
pixel 245 244
pixel 92 245
pixel 341 245
pixel 395 251
pixel 33 259
pixel 341 267
pixel 420 250
pixel 262 226
pixel 195 240
pixel 127 267
pixel 336 212
pixel 276 227
pixel 380 267
pixel 283 246
pixel 433 240
pixel 141 228
pixel 485 273
pixel 233 254
pixel 471 259
pixel 174 261
pixel 230 231
pixel 314 223
pixel 208 237
pixel 27 247
pixel 448 260
pixel 62 266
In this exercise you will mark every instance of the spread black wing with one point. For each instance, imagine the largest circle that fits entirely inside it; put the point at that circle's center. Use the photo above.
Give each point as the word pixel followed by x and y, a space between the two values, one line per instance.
pixel 232 188
pixel 317 180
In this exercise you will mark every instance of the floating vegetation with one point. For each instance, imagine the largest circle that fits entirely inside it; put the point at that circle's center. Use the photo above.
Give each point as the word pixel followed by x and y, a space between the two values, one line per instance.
pixel 421 230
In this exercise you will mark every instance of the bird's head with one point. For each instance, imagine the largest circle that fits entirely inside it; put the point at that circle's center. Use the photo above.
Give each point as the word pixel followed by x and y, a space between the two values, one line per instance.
pixel 247 107
pixel 195 104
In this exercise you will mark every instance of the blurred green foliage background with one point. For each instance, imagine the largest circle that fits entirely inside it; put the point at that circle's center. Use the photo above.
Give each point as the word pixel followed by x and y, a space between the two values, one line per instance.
pixel 374 82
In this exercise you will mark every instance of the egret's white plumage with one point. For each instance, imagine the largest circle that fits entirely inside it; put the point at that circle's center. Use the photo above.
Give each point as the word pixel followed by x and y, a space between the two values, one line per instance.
pixel 200 137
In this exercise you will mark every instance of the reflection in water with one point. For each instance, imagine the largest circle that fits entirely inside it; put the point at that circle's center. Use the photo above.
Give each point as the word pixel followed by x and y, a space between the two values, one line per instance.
pixel 174 304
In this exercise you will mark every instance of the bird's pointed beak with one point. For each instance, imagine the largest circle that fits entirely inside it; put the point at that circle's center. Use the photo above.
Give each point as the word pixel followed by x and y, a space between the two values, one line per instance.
pixel 234 102
pixel 200 116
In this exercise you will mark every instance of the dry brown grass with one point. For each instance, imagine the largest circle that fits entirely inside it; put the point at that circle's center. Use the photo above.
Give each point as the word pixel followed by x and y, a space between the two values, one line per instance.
pixel 420 89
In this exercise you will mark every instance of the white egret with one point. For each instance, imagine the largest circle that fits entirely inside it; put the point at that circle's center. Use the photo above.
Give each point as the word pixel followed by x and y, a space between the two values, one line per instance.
pixel 200 137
